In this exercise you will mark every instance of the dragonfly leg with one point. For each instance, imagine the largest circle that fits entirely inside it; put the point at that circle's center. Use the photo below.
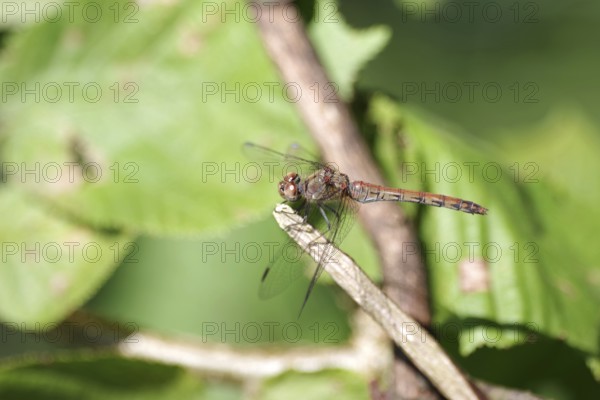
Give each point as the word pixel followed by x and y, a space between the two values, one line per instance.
pixel 322 211
pixel 305 211
pixel 335 213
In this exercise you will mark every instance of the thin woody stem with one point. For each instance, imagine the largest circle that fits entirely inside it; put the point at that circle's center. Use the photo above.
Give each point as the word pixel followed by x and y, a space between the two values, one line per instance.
pixel 420 347
pixel 331 125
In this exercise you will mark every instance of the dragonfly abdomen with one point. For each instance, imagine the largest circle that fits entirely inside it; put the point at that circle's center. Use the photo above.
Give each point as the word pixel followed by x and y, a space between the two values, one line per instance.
pixel 367 193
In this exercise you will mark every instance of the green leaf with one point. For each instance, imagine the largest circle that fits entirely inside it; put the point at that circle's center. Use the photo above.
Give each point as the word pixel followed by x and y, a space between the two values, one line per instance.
pixel 593 364
pixel 50 264
pixel 151 139
pixel 564 199
pixel 96 376
pixel 142 135
pixel 342 49
pixel 508 268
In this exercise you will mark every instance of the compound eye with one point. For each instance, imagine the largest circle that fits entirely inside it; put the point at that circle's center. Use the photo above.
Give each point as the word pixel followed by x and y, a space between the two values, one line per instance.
pixel 291 177
pixel 288 187
pixel 288 190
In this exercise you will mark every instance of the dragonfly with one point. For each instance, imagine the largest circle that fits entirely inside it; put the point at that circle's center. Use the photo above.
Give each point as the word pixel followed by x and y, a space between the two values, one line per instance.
pixel 328 200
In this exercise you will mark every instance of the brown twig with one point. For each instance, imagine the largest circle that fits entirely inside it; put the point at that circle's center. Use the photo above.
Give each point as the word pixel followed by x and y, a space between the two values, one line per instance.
pixel 422 349
pixel 363 354
pixel 332 126
pixel 338 137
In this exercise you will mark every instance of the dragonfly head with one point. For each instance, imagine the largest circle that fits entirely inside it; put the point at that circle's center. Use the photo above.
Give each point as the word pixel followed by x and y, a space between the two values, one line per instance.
pixel 289 187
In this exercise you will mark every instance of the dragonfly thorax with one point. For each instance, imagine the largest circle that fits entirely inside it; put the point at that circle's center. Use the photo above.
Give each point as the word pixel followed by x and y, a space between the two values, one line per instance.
pixel 289 187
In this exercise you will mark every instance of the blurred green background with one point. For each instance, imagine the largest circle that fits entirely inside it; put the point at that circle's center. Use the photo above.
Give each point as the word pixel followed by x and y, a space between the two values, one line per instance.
pixel 126 194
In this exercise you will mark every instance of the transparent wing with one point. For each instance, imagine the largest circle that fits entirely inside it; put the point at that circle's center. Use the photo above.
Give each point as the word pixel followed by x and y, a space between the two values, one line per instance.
pixel 281 163
pixel 335 225
pixel 286 266
pixel 333 220
pixel 299 151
